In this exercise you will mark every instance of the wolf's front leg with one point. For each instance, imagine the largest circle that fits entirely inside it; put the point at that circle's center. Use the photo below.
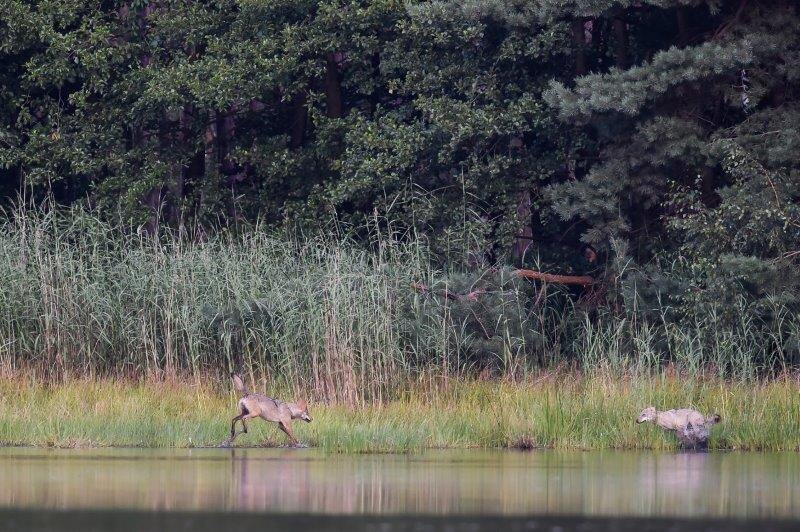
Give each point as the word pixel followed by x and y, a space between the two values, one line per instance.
pixel 287 428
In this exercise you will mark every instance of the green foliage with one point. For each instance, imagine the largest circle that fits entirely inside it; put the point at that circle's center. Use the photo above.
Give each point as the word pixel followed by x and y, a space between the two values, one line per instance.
pixel 209 110
pixel 663 133
pixel 695 168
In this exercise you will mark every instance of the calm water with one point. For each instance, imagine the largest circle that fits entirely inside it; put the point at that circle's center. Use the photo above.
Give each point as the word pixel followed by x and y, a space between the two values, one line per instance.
pixel 291 489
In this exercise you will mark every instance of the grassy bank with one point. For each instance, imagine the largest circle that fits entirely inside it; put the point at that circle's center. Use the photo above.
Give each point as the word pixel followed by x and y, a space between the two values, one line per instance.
pixel 562 411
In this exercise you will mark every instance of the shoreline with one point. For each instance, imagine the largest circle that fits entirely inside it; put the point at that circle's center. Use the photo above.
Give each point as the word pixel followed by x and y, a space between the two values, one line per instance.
pixel 416 451
pixel 562 412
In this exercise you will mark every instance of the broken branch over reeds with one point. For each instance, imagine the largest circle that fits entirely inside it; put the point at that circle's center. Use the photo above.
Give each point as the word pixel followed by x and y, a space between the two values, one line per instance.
pixel 581 280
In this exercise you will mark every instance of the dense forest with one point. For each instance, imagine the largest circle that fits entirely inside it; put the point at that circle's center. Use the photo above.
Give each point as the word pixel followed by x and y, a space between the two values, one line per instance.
pixel 649 144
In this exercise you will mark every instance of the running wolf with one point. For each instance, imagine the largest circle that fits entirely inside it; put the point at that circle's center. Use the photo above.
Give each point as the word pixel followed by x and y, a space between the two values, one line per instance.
pixel 253 405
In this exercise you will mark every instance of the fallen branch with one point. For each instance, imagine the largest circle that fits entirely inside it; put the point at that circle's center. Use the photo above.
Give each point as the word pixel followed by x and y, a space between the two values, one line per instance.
pixel 583 280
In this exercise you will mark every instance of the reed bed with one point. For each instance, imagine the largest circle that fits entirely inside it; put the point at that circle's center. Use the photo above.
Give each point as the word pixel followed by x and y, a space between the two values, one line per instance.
pixel 562 410
pixel 81 297
pixel 336 320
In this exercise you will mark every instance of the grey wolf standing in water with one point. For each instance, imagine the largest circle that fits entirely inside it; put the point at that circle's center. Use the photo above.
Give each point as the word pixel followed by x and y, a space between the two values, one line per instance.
pixel 253 405
pixel 690 426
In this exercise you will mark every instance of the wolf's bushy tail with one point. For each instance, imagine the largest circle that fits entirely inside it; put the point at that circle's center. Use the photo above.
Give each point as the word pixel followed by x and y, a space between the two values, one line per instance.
pixel 238 383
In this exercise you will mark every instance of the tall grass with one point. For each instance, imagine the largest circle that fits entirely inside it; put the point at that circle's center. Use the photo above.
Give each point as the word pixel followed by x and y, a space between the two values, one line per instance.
pixel 554 410
pixel 326 316
pixel 82 297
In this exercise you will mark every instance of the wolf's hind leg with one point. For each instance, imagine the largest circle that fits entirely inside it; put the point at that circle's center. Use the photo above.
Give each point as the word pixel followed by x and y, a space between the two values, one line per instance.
pixel 243 418
pixel 233 426
pixel 244 414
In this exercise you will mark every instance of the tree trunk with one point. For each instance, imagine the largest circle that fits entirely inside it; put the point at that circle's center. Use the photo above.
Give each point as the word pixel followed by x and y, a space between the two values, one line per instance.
pixel 210 146
pixel 193 176
pixel 620 29
pixel 153 203
pixel 226 129
pixel 579 42
pixel 173 135
pixel 299 119
pixel 153 198
pixel 374 97
pixel 683 27
pixel 524 238
pixel 333 86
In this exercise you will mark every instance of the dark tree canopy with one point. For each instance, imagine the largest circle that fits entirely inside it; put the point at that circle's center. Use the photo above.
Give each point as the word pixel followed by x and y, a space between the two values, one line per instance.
pixel 656 132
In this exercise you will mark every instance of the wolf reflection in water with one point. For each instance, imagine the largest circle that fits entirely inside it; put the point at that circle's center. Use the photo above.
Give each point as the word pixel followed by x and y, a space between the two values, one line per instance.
pixel 307 481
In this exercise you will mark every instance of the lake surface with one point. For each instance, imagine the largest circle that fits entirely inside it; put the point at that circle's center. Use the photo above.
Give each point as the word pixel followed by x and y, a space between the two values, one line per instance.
pixel 291 489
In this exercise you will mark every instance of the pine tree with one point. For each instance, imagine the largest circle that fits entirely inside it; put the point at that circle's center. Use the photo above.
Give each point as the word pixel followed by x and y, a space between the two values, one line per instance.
pixel 697 139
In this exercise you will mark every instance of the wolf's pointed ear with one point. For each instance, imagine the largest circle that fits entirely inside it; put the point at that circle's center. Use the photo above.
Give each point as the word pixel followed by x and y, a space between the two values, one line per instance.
pixel 302 405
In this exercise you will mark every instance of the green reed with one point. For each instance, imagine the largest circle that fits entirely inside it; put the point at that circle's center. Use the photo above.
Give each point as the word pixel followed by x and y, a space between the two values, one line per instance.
pixel 332 318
